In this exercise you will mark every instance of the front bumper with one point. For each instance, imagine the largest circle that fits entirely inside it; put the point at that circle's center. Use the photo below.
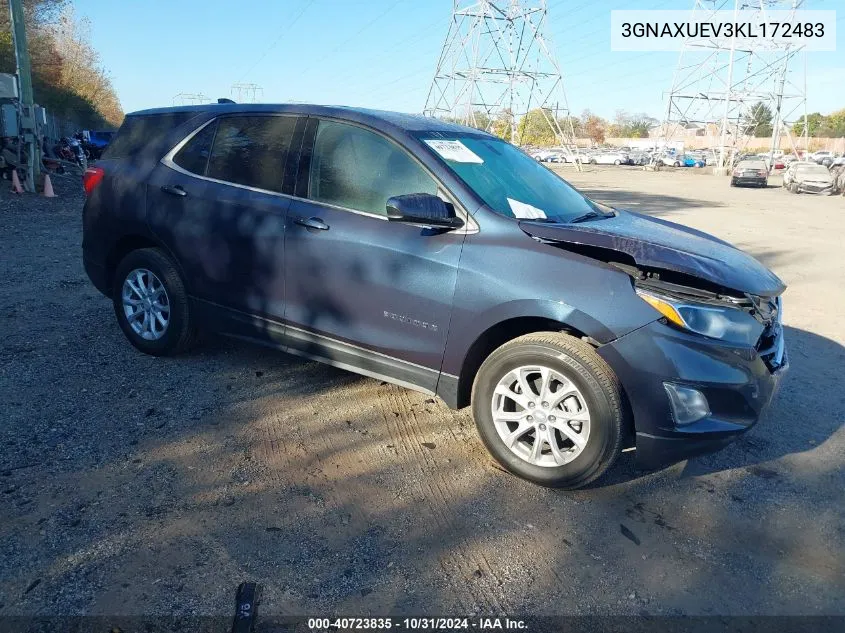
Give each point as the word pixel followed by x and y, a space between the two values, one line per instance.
pixel 822 189
pixel 739 384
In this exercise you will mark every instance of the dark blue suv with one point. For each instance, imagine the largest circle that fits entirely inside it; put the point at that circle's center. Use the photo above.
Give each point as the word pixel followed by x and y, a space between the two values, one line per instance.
pixel 443 259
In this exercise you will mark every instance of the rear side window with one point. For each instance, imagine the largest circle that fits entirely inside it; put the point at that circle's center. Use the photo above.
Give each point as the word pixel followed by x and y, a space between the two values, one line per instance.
pixel 358 169
pixel 139 131
pixel 193 156
pixel 251 150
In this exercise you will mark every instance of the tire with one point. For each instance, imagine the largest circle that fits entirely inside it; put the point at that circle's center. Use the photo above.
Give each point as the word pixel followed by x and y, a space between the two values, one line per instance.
pixel 676 164
pixel 593 161
pixel 179 333
pixel 733 183
pixel 617 162
pixel 598 390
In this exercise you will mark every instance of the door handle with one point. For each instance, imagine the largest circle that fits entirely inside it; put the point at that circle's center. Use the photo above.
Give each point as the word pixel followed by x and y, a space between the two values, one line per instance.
pixel 174 190
pixel 312 223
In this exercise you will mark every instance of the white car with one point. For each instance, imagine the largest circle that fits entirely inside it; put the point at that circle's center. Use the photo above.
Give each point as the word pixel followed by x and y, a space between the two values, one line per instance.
pixel 609 158
pixel 668 159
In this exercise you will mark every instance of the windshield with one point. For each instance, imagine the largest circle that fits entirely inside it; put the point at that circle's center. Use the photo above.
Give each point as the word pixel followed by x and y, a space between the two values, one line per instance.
pixel 510 182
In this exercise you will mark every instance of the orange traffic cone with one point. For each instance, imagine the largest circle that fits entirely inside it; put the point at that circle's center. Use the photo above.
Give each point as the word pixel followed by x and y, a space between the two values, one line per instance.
pixel 16 182
pixel 48 187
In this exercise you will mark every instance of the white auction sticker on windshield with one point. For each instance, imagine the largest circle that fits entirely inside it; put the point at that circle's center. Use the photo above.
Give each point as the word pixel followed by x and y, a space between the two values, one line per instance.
pixel 526 211
pixel 454 151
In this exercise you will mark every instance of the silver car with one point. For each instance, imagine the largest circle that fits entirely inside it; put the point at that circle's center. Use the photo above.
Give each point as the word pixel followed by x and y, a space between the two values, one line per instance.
pixel 805 177
pixel 609 158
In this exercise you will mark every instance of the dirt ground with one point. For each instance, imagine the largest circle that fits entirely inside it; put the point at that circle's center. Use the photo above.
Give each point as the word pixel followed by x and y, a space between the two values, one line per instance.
pixel 136 485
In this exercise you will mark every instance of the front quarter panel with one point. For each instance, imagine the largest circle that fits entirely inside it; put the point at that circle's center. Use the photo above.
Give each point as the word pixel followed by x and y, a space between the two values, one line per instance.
pixel 506 274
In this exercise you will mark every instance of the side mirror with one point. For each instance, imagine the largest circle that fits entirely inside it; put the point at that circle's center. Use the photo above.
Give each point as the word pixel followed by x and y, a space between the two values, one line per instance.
pixel 424 209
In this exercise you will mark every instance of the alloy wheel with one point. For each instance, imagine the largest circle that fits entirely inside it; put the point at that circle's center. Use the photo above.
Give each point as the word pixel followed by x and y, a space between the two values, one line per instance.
pixel 145 304
pixel 541 416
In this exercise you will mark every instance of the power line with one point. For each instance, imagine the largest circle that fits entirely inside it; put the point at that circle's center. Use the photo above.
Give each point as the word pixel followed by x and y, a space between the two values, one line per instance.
pixel 354 35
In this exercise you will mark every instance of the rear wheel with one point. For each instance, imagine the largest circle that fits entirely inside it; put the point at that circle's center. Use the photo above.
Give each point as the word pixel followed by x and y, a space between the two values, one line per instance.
pixel 151 303
pixel 549 409
pixel 617 162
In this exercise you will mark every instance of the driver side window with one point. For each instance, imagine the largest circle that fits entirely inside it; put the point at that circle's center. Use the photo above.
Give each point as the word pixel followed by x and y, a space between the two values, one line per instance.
pixel 358 169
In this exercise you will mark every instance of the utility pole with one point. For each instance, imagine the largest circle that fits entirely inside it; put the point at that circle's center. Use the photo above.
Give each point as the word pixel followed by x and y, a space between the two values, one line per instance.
pixel 27 106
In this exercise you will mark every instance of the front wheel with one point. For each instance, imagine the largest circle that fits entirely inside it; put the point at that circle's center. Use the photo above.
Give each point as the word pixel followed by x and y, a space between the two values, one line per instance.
pixel 617 162
pixel 549 409
pixel 151 303
pixel 676 164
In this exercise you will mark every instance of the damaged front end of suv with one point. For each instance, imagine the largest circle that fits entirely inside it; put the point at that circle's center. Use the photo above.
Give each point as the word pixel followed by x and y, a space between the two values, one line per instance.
pixel 704 370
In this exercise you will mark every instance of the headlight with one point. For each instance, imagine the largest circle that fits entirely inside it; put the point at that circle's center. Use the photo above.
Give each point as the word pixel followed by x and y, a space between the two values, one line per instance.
pixel 728 324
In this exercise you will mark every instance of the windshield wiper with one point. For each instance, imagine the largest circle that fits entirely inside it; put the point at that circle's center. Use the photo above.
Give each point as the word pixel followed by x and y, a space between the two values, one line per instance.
pixel 590 215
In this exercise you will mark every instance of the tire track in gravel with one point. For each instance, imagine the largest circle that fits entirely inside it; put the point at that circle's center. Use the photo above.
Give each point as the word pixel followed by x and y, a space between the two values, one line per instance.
pixel 404 426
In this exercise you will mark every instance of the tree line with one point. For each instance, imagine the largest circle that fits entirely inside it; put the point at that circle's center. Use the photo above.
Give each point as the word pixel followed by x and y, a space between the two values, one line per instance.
pixel 67 75
pixel 758 122
pixel 537 127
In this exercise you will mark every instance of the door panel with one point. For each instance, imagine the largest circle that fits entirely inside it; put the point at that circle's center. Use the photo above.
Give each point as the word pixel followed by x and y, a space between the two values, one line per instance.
pixel 384 286
pixel 228 240
pixel 213 202
pixel 352 276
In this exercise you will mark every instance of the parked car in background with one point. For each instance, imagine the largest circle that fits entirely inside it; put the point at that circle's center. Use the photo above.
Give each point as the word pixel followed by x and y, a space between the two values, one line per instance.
pixel 807 177
pixel 580 156
pixel 822 157
pixel 750 172
pixel 691 161
pixel 439 258
pixel 640 158
pixel 670 160
pixel 96 141
pixel 609 157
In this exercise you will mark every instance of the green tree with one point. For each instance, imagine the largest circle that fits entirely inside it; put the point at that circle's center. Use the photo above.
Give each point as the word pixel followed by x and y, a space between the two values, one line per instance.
pixel 535 128
pixel 834 124
pixel 481 120
pixel 758 122
pixel 814 122
pixel 577 128
pixel 501 125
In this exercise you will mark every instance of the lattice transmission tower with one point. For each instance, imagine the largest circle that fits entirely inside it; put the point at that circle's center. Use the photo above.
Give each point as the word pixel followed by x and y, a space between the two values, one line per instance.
pixel 496 66
pixel 246 93
pixel 718 83
pixel 190 98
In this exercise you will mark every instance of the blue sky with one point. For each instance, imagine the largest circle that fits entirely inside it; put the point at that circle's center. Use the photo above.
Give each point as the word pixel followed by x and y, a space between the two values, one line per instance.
pixel 376 53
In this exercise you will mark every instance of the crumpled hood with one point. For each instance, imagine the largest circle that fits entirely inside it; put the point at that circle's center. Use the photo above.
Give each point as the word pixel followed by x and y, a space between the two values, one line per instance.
pixel 657 243
pixel 819 179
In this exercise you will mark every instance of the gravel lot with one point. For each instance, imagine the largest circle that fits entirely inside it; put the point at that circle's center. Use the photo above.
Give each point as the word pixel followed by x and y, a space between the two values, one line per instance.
pixel 136 485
